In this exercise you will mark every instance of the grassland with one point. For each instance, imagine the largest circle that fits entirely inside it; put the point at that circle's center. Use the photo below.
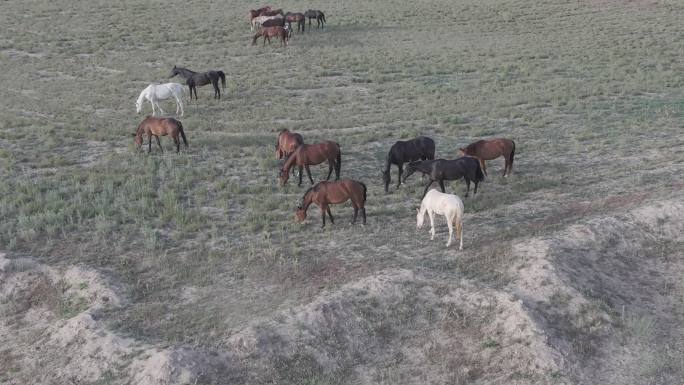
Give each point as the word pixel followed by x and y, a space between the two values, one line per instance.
pixel 202 247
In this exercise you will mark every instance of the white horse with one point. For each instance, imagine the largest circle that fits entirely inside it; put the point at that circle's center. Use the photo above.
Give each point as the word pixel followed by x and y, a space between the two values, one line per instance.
pixel 156 92
pixel 449 205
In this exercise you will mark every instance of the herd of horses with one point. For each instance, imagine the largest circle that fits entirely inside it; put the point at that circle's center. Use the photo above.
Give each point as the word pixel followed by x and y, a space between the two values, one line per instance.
pixel 269 22
pixel 418 155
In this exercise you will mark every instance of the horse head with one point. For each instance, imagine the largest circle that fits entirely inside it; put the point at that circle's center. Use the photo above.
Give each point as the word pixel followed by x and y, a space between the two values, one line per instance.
pixel 174 71
pixel 462 151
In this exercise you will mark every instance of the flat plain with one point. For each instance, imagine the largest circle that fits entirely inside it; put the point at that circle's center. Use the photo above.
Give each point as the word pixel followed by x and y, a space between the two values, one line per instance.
pixel 119 267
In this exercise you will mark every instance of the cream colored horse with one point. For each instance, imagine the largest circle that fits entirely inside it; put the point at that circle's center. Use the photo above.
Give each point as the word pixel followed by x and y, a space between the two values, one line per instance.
pixel 450 206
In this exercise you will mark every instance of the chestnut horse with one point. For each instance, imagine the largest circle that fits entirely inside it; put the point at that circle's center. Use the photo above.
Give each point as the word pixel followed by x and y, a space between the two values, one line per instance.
pixel 326 193
pixel 154 126
pixel 268 32
pixel 491 149
pixel 287 142
pixel 312 154
pixel 297 18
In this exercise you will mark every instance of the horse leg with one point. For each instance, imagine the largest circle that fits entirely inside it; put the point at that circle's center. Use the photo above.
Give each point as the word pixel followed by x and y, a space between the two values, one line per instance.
pixel 459 233
pixel 468 186
pixel 451 230
pixel 432 224
pixel 426 188
pixel 363 214
pixel 177 141
pixel 149 143
pixel 476 183
pixel 301 172
pixel 356 211
pixel 401 171
pixel 483 166
pixel 441 185
pixel 308 172
pixel 159 143
pixel 330 214
pixel 323 211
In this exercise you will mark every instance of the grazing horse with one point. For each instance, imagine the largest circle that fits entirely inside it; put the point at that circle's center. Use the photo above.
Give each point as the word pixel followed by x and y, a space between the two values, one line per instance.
pixel 312 154
pixel 268 32
pixel 492 149
pixel 440 170
pixel 420 148
pixel 287 143
pixel 259 21
pixel 315 14
pixel 448 205
pixel 272 12
pixel 326 193
pixel 255 13
pixel 153 126
pixel 297 18
pixel 197 79
pixel 156 92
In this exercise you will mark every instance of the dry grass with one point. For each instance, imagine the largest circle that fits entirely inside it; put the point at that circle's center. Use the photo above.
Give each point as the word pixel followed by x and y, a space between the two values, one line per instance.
pixel 203 243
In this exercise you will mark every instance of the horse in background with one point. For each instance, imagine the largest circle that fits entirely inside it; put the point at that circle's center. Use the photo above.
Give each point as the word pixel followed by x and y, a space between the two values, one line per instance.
pixel 326 193
pixel 197 79
pixel 420 148
pixel 439 170
pixel 259 21
pixel 268 32
pixel 287 143
pixel 448 205
pixel 492 149
pixel 312 154
pixel 153 126
pixel 156 92
pixel 315 14
pixel 297 18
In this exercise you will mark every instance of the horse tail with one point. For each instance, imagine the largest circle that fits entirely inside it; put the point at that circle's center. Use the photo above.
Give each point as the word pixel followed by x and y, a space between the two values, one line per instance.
pixel 338 161
pixel 365 190
pixel 510 157
pixel 180 129
pixel 479 175
pixel 223 78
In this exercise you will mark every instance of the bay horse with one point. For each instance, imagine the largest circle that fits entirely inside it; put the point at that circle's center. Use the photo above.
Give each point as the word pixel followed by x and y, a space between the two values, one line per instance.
pixel 272 12
pixel 297 18
pixel 492 149
pixel 154 126
pixel 315 14
pixel 420 148
pixel 326 193
pixel 268 32
pixel 440 170
pixel 197 79
pixel 287 143
pixel 156 92
pixel 448 205
pixel 312 154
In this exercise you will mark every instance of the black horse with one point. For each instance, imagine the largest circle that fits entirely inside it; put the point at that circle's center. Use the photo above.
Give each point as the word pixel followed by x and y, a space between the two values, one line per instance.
pixel 196 79
pixel 420 148
pixel 441 169
pixel 315 14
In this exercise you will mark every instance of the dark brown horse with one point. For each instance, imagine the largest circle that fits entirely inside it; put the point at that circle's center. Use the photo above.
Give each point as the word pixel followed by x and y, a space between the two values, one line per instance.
pixel 268 32
pixel 197 79
pixel 420 148
pixel 492 149
pixel 439 170
pixel 272 12
pixel 315 14
pixel 154 126
pixel 312 154
pixel 287 143
pixel 326 193
pixel 297 18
